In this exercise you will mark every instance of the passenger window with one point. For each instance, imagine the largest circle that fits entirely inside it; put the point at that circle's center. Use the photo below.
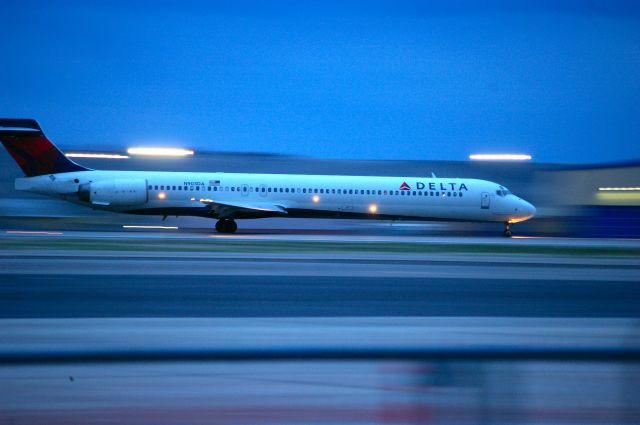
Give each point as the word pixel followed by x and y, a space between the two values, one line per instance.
pixel 437 193
pixel 455 194
pixel 162 187
pixel 321 190
pixel 209 189
pixel 197 187
pixel 233 189
pixel 379 192
pixel 173 188
pixel 333 191
pixel 460 194
pixel 149 187
pixel 179 187
pixel 215 188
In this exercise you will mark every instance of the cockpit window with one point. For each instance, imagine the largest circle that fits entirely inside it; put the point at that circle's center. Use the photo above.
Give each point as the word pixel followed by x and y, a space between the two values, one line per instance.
pixel 502 191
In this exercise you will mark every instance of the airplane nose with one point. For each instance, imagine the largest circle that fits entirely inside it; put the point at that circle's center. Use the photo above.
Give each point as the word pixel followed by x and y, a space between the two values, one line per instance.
pixel 528 209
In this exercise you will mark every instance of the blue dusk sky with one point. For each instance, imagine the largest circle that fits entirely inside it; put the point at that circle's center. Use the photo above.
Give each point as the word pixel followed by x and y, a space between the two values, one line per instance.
pixel 559 80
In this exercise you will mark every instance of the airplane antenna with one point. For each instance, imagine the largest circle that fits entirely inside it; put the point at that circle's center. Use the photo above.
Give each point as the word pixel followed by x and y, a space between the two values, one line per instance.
pixel 433 175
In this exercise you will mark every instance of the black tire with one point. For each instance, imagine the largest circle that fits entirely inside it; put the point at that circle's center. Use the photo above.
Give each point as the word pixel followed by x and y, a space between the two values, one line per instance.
pixel 507 233
pixel 230 226
pixel 220 226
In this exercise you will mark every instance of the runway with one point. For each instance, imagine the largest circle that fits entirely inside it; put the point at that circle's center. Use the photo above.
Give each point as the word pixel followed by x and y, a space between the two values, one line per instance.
pixel 122 295
pixel 162 290
pixel 152 274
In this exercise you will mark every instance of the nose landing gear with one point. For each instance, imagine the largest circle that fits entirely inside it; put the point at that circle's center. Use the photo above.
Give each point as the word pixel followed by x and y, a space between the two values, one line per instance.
pixel 226 225
pixel 507 230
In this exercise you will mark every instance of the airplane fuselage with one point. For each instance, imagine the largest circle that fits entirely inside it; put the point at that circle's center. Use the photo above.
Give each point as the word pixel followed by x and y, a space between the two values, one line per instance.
pixel 247 195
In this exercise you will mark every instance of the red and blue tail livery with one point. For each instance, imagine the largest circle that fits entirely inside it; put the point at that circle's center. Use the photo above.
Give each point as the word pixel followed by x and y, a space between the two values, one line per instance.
pixel 31 149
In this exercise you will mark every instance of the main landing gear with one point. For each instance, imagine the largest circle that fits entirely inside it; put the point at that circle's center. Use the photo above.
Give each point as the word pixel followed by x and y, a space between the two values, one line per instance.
pixel 226 225
pixel 507 230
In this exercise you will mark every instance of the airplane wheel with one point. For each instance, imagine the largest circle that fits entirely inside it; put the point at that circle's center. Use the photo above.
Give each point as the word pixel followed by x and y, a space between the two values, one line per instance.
pixel 225 225
pixel 507 233
pixel 230 226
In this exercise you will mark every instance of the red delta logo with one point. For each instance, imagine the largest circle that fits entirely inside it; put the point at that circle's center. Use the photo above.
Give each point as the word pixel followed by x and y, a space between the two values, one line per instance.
pixel 404 186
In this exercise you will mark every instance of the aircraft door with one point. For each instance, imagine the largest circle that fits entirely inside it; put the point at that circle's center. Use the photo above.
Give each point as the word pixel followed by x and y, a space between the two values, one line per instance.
pixel 485 200
pixel 245 190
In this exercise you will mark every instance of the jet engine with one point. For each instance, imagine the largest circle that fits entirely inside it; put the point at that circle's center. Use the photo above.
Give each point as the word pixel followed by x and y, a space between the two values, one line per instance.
pixel 119 192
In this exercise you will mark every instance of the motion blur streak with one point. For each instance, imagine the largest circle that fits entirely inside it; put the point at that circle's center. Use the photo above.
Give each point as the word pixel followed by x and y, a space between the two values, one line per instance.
pixel 32 232
pixel 95 155
pixel 160 151
pixel 499 157
pixel 131 226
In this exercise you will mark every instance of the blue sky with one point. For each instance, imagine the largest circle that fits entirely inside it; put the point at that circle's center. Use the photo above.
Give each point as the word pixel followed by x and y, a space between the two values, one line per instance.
pixel 559 80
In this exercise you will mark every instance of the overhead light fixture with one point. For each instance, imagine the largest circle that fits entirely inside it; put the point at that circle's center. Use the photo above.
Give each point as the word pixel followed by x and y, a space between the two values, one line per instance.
pixel 499 157
pixel 95 155
pixel 160 151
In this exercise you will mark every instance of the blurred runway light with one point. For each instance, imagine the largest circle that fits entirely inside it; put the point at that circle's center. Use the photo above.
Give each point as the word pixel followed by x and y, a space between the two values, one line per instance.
pixel 32 232
pixel 499 157
pixel 619 189
pixel 95 155
pixel 160 151
pixel 132 226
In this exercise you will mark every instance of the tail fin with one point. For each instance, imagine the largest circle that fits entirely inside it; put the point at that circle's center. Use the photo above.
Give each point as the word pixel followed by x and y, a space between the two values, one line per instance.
pixel 31 149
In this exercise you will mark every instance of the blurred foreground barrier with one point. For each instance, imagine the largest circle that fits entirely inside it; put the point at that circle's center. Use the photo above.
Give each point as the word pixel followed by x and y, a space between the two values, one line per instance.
pixel 489 354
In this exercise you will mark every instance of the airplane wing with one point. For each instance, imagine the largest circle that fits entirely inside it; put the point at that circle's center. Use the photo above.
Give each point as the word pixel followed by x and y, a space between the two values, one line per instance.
pixel 239 209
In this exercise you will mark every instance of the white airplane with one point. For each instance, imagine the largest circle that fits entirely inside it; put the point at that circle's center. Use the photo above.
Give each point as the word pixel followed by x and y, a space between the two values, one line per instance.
pixel 231 196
